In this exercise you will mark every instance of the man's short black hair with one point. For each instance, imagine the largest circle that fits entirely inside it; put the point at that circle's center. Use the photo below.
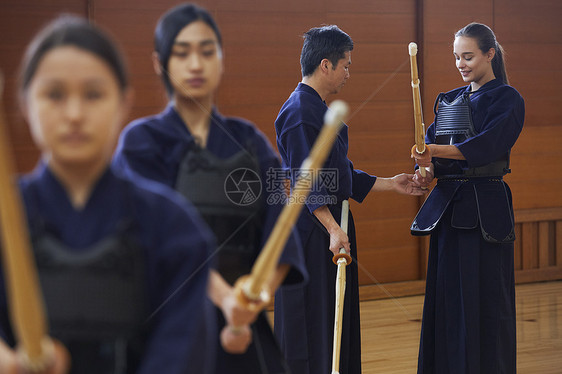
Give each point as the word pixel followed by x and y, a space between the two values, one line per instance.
pixel 328 42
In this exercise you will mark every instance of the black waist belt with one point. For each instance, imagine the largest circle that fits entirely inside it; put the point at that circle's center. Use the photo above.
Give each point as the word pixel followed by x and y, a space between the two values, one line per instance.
pixel 495 169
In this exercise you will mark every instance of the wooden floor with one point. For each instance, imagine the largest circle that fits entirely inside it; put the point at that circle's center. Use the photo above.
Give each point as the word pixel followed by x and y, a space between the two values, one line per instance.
pixel 390 331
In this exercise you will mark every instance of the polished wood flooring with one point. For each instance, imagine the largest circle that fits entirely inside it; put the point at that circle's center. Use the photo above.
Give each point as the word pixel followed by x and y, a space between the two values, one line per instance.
pixel 390 331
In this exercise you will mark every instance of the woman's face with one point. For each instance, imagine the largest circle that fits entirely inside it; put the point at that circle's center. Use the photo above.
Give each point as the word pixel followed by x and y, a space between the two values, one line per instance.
pixel 195 65
pixel 473 65
pixel 74 107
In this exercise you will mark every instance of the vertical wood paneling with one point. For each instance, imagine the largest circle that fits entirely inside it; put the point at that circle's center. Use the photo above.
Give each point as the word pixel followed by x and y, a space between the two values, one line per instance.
pixel 529 245
pixel 536 169
pixel 518 256
pixel 552 243
pixel 539 231
pixel 558 240
pixel 544 244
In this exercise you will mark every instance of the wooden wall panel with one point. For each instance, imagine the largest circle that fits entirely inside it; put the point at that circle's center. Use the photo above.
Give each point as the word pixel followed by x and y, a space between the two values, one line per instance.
pixel 537 247
pixel 441 19
pixel 386 265
pixel 243 7
pixel 531 34
pixel 536 168
pixel 518 250
pixel 558 241
pixel 544 241
pixel 134 32
pixel 523 21
pixel 370 6
pixel 19 21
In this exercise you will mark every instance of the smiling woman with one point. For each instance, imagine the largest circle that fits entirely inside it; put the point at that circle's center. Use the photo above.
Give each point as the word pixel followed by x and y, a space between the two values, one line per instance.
pixel 479 60
pixel 469 311
pixel 472 63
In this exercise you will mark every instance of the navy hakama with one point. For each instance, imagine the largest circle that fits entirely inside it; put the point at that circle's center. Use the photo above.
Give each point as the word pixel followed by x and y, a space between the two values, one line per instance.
pixel 469 310
pixel 304 315
pixel 157 147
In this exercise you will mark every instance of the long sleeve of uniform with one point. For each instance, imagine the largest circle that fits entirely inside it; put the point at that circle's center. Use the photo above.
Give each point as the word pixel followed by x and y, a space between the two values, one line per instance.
pixel 141 159
pixel 292 254
pixel 361 184
pixel 298 125
pixel 298 142
pixel 500 113
pixel 181 314
pixel 229 135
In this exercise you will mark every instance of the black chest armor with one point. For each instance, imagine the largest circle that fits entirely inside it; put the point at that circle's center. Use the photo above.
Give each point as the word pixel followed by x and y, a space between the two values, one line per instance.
pixel 96 298
pixel 453 125
pixel 96 301
pixel 226 193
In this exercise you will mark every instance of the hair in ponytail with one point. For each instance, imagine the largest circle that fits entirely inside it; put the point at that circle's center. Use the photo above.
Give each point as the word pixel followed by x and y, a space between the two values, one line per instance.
pixel 486 39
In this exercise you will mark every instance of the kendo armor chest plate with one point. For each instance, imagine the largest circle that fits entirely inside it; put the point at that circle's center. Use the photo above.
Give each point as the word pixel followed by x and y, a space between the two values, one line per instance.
pixel 226 193
pixel 453 125
pixel 96 302
pixel 104 288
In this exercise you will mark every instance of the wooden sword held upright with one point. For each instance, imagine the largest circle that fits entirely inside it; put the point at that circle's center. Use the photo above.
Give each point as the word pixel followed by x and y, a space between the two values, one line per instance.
pixel 251 290
pixel 342 259
pixel 25 301
pixel 418 117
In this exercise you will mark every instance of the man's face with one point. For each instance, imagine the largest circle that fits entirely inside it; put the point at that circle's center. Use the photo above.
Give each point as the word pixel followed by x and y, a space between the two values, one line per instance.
pixel 339 74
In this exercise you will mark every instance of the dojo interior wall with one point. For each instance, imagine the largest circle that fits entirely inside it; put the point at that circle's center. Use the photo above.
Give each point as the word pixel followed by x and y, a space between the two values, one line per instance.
pixel 262 42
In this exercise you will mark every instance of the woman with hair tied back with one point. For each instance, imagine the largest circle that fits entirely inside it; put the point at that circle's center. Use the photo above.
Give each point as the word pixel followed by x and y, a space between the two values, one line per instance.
pixel 469 310
pixel 121 262
pixel 204 155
